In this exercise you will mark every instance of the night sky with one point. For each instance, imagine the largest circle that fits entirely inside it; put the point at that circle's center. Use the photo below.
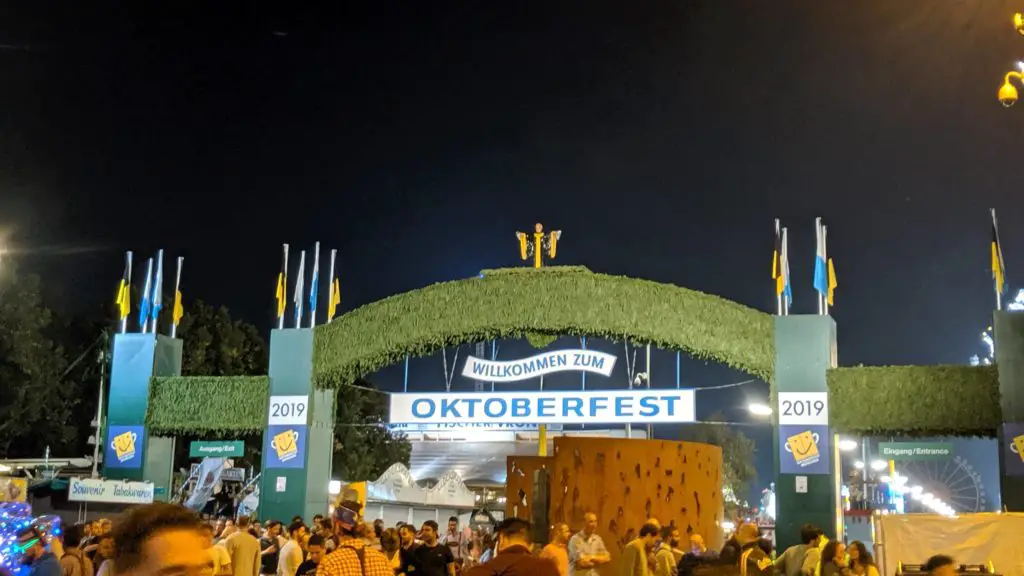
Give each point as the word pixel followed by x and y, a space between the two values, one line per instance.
pixel 663 138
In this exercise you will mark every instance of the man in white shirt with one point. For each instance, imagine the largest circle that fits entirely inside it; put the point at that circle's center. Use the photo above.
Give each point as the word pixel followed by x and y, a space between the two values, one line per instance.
pixel 291 553
pixel 218 554
pixel 587 550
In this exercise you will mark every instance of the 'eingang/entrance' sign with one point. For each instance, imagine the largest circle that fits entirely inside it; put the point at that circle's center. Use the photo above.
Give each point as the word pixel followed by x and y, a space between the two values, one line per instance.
pixel 591 407
pixel 915 450
pixel 539 365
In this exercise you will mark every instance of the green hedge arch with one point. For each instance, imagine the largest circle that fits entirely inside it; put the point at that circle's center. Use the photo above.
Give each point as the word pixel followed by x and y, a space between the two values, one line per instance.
pixel 915 400
pixel 199 405
pixel 515 302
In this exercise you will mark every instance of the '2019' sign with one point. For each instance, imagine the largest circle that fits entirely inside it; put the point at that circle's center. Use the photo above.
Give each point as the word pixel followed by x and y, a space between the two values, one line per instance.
pixel 803 408
pixel 288 410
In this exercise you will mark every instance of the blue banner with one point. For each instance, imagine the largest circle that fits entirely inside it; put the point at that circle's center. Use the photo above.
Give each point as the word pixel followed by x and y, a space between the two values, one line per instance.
pixel 124 446
pixel 805 450
pixel 286 446
pixel 1013 448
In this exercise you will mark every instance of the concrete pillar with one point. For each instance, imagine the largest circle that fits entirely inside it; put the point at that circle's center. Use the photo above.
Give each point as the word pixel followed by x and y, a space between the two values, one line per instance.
pixel 129 451
pixel 805 485
pixel 298 440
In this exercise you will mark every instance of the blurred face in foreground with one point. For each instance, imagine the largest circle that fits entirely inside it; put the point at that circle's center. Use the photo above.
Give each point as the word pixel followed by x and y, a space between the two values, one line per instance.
pixel 176 552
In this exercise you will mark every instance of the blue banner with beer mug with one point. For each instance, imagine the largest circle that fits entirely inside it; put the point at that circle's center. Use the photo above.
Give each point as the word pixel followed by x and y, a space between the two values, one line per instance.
pixel 124 446
pixel 805 449
pixel 286 446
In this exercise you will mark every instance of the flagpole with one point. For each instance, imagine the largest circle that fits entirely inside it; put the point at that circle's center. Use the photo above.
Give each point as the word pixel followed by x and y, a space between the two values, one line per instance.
pixel 330 287
pixel 158 287
pixel 999 259
pixel 784 267
pixel 128 288
pixel 299 289
pixel 824 251
pixel 145 304
pixel 778 262
pixel 284 289
pixel 817 249
pixel 177 288
pixel 313 290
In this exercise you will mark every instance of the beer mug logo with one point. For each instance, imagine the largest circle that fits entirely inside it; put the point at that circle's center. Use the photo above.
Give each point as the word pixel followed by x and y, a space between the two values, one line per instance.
pixel 804 447
pixel 286 444
pixel 1017 446
pixel 124 445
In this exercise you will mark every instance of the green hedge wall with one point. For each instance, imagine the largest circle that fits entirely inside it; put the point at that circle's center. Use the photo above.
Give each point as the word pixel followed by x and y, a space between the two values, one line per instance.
pixel 204 404
pixel 915 400
pixel 557 301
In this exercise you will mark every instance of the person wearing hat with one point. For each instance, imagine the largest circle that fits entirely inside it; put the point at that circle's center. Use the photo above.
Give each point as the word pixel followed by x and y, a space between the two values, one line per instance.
pixel 32 545
pixel 352 557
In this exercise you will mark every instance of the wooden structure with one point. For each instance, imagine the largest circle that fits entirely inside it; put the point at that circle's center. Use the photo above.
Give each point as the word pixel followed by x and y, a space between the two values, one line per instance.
pixel 624 482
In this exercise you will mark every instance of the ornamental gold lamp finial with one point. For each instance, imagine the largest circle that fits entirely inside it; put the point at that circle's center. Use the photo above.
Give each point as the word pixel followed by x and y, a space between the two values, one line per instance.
pixel 539 246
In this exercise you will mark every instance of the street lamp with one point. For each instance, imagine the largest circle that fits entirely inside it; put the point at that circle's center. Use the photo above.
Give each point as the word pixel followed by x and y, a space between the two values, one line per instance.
pixel 758 409
pixel 1008 92
pixel 847 445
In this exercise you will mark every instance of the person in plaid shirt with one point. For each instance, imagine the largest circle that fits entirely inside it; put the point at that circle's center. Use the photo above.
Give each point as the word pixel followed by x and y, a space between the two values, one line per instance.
pixel 352 557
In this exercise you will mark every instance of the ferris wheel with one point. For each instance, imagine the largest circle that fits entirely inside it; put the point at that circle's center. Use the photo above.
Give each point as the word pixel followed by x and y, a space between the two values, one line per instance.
pixel 954 481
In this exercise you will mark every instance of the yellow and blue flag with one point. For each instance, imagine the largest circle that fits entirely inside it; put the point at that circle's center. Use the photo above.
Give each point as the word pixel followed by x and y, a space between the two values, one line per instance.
pixel 179 310
pixel 282 286
pixel 123 301
pixel 998 266
pixel 332 304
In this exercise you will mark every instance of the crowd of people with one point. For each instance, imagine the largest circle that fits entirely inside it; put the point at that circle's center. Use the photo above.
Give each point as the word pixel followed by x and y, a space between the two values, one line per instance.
pixel 815 555
pixel 169 540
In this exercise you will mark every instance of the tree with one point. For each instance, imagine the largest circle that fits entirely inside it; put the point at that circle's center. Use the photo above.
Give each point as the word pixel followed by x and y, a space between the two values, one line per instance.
pixel 86 341
pixel 35 406
pixel 217 345
pixel 363 447
pixel 738 470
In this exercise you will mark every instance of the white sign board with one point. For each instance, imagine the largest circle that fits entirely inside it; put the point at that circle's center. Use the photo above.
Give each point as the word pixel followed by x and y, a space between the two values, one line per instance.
pixel 281 484
pixel 288 410
pixel 801 484
pixel 539 365
pixel 112 491
pixel 803 408
pixel 591 407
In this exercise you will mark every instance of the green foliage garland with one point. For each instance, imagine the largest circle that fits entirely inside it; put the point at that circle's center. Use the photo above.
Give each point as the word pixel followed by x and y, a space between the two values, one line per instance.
pixel 207 404
pixel 540 340
pixel 569 301
pixel 915 400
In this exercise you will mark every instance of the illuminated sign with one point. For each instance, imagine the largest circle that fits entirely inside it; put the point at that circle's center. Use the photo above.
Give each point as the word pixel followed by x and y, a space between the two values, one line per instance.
pixel 539 365
pixel 591 407
pixel 473 426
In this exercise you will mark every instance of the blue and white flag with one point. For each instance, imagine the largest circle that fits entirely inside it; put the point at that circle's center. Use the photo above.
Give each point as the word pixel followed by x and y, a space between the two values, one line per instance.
pixel 820 260
pixel 316 282
pixel 158 287
pixel 787 287
pixel 147 303
pixel 300 288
